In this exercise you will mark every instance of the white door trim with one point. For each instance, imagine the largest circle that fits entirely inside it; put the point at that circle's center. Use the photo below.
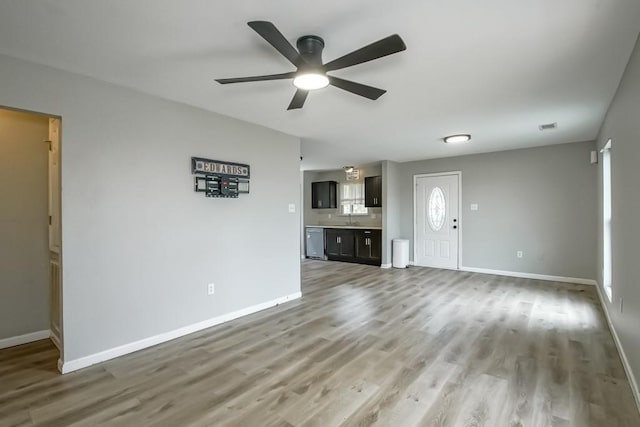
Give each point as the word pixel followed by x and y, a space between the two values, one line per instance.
pixel 415 213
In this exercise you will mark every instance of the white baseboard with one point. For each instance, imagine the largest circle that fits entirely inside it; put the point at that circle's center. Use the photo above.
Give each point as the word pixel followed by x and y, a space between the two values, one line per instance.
pixel 83 362
pixel 550 278
pixel 56 341
pixel 386 265
pixel 24 339
pixel 625 362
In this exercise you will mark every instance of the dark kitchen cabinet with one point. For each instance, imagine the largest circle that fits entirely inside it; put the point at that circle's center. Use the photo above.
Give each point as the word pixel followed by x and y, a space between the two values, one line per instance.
pixel 323 195
pixel 340 244
pixel 373 191
pixel 368 246
pixel 349 245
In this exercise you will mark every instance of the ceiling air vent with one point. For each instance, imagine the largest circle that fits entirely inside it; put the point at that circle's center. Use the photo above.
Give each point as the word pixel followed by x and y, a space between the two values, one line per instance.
pixel 548 126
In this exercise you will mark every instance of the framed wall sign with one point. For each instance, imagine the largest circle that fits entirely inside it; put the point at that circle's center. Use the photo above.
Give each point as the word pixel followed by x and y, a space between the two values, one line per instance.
pixel 218 178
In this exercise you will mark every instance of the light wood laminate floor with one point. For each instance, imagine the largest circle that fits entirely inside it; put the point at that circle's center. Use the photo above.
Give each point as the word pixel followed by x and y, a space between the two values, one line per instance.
pixel 363 346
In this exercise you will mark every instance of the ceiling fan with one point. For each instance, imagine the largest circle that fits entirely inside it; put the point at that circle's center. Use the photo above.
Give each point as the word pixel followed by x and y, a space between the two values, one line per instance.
pixel 311 73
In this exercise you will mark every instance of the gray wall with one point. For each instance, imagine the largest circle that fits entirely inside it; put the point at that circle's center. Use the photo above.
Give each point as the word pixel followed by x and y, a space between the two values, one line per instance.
pixel 540 200
pixel 24 238
pixel 139 246
pixel 391 208
pixel 321 216
pixel 623 127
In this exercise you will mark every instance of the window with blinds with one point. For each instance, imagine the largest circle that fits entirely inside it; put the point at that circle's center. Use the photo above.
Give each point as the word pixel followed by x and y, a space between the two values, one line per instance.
pixel 352 199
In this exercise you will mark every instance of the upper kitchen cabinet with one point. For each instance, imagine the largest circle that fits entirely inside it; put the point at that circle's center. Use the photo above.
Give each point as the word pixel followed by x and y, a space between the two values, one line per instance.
pixel 323 195
pixel 373 191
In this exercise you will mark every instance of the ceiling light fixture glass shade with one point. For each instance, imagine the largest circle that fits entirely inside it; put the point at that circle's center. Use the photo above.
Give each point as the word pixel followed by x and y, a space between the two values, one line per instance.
pixel 348 169
pixel 452 139
pixel 311 81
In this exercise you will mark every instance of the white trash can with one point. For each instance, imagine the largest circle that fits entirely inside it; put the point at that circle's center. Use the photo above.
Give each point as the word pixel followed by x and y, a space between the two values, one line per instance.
pixel 400 253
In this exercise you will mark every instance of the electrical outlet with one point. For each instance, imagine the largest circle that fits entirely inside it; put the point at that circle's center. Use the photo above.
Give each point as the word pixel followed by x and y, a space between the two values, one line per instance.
pixel 373 216
pixel 211 289
pixel 329 216
pixel 519 254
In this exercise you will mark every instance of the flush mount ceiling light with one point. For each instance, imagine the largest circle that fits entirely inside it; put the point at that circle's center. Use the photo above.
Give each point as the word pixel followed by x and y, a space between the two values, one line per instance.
pixel 454 139
pixel 348 169
pixel 311 81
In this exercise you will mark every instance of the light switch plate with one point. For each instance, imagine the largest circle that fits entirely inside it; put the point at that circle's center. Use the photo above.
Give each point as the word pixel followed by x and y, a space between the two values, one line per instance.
pixel 292 208
pixel 474 206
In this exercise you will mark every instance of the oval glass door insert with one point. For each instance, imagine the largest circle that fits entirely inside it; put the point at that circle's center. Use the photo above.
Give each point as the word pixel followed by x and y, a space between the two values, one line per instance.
pixel 436 209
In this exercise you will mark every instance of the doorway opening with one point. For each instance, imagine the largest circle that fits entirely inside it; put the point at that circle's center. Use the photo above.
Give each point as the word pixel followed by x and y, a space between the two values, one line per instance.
pixel 606 221
pixel 30 226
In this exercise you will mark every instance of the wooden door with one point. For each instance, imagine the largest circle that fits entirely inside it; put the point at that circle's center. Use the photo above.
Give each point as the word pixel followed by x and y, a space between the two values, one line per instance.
pixel 55 246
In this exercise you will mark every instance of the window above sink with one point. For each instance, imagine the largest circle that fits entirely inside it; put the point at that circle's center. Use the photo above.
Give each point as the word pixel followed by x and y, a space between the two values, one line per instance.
pixel 352 199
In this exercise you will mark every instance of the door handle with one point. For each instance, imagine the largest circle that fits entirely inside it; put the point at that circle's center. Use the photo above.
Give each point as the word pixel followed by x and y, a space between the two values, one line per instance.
pixel 338 239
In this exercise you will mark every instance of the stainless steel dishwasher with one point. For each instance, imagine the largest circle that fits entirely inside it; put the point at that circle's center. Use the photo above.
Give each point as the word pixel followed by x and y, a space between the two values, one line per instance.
pixel 315 242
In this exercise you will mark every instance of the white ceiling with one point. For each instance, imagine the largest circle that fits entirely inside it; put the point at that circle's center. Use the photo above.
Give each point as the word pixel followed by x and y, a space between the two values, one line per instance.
pixel 495 68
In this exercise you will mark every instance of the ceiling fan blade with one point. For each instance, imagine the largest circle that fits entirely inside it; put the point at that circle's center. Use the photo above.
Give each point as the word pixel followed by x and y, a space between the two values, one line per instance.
pixel 370 92
pixel 387 46
pixel 298 99
pixel 270 33
pixel 257 78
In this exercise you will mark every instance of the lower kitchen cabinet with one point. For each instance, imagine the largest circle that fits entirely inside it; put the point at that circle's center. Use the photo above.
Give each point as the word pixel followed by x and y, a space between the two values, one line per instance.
pixel 340 244
pixel 349 245
pixel 368 246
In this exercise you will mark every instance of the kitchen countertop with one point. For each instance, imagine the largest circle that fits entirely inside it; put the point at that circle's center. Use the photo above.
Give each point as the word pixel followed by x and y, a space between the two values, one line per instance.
pixel 355 227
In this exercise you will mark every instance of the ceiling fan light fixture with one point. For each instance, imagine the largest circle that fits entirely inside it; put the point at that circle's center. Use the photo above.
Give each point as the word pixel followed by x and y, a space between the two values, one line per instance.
pixel 456 139
pixel 311 81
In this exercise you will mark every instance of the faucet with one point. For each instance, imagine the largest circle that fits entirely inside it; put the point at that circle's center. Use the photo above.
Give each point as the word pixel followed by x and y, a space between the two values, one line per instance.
pixel 351 222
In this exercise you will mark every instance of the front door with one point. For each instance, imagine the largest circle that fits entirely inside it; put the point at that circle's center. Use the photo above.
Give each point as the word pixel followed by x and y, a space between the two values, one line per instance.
pixel 437 221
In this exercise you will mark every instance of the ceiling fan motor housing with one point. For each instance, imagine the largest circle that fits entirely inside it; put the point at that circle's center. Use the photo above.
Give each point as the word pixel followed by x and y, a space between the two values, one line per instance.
pixel 310 48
